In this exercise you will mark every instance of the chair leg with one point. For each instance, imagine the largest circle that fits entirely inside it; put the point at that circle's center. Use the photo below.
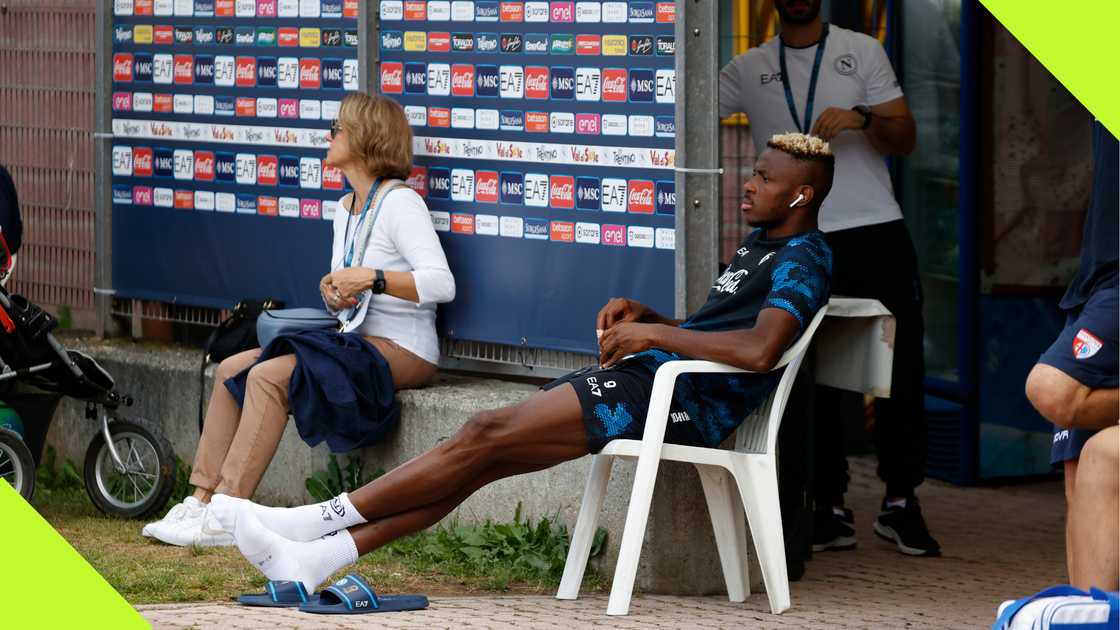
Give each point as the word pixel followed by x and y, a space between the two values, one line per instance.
pixel 758 486
pixel 583 535
pixel 720 493
pixel 622 588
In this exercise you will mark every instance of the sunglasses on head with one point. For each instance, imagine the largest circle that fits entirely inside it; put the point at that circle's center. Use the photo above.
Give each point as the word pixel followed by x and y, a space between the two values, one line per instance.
pixel 335 127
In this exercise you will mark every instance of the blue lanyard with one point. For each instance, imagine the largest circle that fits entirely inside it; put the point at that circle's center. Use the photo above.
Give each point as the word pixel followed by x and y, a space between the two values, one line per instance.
pixel 361 219
pixel 812 81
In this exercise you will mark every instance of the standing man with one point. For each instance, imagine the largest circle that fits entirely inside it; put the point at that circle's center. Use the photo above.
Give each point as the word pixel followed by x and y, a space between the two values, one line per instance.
pixel 839 85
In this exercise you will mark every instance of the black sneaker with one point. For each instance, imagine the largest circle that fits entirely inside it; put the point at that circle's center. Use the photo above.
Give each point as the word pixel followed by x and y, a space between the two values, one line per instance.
pixel 905 527
pixel 833 532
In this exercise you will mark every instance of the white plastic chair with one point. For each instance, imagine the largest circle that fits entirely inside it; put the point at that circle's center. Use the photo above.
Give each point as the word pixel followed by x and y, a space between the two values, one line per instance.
pixel 750 468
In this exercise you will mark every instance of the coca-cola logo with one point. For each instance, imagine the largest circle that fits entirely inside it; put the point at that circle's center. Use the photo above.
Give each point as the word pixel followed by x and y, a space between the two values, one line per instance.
pixel 486 186
pixel 267 173
pixel 462 80
pixel 245 73
pixel 309 74
pixel 614 84
pixel 536 82
pixel 392 77
pixel 122 67
pixel 640 196
pixel 562 191
pixel 142 161
pixel 204 165
pixel 418 180
pixel 184 69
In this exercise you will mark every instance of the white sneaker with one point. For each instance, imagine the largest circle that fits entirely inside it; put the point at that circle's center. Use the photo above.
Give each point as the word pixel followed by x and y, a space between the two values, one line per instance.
pixel 190 507
pixel 211 533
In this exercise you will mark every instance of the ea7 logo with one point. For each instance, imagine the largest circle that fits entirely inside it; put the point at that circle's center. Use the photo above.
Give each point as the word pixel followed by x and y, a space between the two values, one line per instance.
pixel 511 82
pixel 596 388
pixel 614 195
pixel 536 190
pixel 588 84
pixel 439 79
pixel 665 88
pixel 462 184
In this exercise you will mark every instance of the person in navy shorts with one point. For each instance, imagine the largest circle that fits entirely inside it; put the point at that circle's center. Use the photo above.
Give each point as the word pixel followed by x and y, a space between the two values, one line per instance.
pixel 1074 384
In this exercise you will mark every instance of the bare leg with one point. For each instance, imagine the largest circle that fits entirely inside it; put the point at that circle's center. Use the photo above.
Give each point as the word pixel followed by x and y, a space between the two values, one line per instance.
pixel 376 534
pixel 1093 527
pixel 1071 483
pixel 540 432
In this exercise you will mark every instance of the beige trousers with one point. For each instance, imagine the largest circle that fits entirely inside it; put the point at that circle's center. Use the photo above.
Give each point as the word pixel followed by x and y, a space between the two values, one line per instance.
pixel 238 443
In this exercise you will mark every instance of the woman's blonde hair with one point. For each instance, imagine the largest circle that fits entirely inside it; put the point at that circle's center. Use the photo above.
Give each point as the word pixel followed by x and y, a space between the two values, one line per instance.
pixel 378 133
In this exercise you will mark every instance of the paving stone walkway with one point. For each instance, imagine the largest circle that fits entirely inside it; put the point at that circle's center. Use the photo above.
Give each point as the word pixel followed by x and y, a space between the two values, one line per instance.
pixel 998 542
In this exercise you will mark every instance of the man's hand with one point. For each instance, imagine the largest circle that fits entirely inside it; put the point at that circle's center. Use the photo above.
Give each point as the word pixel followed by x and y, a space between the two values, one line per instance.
pixel 332 296
pixel 620 310
pixel 626 338
pixel 834 120
pixel 351 281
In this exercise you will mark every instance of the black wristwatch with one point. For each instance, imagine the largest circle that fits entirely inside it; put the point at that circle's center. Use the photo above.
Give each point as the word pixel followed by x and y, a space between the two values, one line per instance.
pixel 866 111
pixel 379 281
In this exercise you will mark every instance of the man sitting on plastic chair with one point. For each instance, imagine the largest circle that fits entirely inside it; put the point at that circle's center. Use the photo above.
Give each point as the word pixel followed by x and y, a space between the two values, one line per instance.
pixel 756 309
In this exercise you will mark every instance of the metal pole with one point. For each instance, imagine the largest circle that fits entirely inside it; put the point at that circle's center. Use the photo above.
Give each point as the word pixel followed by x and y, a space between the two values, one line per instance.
pixel 697 139
pixel 103 210
pixel 368 45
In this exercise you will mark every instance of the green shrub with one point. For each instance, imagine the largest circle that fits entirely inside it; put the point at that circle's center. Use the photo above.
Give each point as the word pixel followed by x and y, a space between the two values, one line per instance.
pixel 326 484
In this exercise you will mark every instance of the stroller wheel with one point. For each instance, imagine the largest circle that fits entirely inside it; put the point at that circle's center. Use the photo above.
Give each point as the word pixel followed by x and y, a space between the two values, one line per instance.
pixel 17 467
pixel 142 488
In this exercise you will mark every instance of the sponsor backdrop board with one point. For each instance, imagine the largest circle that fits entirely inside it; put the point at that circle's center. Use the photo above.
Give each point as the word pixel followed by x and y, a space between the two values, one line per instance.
pixel 544 141
pixel 220 118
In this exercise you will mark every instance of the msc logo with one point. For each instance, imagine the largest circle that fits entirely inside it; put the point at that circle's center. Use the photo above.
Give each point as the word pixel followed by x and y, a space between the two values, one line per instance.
pixel 331 74
pixel 587 193
pixel 266 71
pixel 204 69
pixel 163 164
pixel 288 171
pixel 392 40
pixel 486 80
pixel 665 197
pixel 439 183
pixel 641 85
pixel 225 167
pixel 143 69
pixel 512 188
pixel 563 84
pixel 415 78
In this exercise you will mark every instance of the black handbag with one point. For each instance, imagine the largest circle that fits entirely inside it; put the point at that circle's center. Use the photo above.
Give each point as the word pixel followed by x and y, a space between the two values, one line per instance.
pixel 236 333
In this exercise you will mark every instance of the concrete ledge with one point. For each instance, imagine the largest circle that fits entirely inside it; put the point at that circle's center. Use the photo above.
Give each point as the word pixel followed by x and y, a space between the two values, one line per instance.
pixel 680 553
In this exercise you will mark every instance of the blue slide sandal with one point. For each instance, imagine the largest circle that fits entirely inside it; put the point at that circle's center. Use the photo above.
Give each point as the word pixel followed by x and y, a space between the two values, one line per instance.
pixel 353 596
pixel 279 594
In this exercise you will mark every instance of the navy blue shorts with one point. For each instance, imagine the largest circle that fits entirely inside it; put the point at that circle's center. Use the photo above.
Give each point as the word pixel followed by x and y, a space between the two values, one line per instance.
pixel 615 402
pixel 1088 349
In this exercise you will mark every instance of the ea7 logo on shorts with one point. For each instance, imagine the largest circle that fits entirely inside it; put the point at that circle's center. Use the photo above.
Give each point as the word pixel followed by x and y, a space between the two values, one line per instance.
pixel 1086 344
pixel 596 389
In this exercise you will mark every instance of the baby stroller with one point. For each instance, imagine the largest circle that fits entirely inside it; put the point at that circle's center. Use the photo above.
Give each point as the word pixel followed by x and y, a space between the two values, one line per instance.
pixel 129 469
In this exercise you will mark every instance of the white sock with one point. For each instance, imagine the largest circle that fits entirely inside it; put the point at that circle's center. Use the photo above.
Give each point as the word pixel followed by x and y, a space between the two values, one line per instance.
pixel 282 559
pixel 896 503
pixel 303 523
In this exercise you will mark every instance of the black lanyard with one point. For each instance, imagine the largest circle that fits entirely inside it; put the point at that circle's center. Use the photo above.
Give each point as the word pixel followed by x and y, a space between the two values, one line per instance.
pixel 812 80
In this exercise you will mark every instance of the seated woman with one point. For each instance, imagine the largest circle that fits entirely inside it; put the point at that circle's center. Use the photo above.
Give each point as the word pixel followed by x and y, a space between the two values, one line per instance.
pixel 370 141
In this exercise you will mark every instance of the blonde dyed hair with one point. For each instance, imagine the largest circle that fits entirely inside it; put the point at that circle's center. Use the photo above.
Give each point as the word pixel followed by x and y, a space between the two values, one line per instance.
pixel 801 145
pixel 378 134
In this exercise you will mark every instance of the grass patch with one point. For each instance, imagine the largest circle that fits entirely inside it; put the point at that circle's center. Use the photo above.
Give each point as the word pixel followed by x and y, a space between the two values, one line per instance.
pixel 520 557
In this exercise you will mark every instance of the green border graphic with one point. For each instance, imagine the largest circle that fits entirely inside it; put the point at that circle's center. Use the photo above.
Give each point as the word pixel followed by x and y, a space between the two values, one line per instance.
pixel 1075 43
pixel 52 586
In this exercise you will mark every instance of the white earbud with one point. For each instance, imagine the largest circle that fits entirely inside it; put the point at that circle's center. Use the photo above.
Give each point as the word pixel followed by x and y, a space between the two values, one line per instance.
pixel 800 198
